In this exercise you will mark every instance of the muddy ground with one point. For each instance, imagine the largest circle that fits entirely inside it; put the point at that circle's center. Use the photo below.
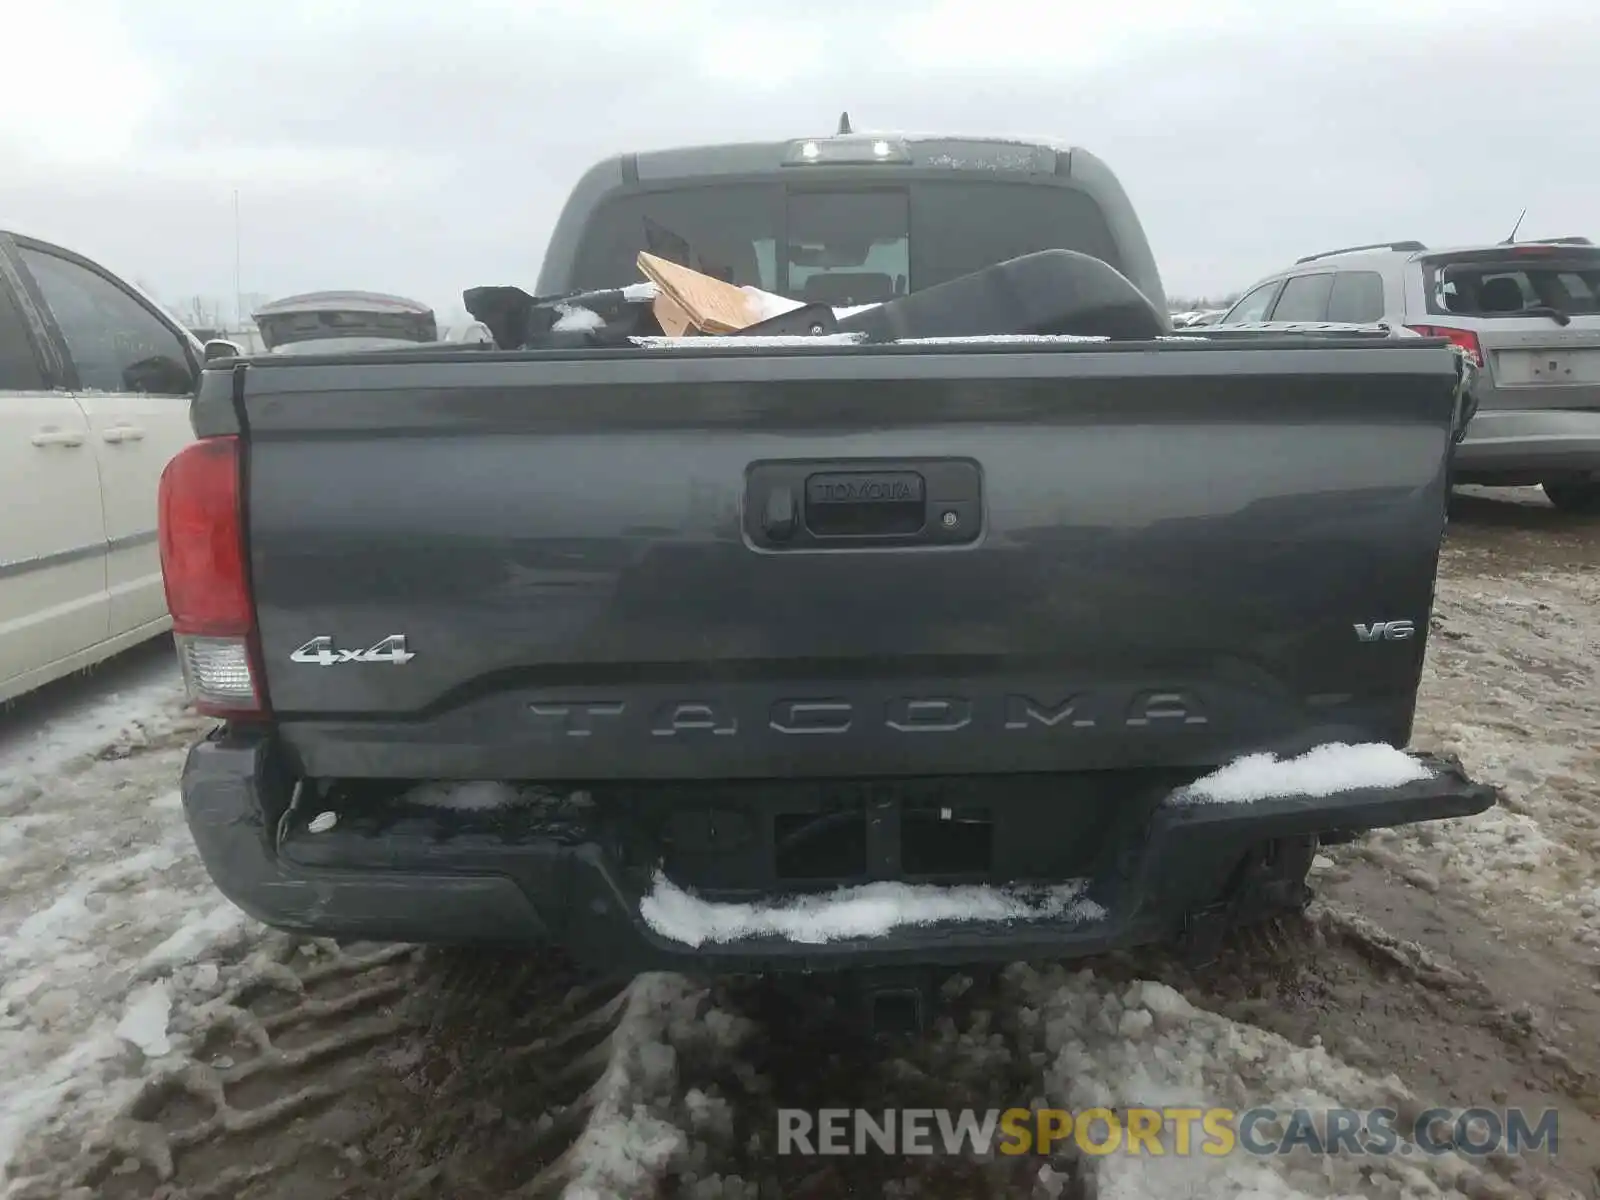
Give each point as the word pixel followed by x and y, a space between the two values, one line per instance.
pixel 1456 964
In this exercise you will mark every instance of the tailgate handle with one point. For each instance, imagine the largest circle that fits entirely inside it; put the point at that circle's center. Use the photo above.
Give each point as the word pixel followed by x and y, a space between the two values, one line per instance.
pixel 802 505
pixel 780 516
pixel 866 504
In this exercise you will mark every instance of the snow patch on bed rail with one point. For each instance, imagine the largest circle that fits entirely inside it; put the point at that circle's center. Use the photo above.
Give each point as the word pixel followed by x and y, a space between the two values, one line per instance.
pixel 1324 771
pixel 575 318
pixel 1365 327
pixel 869 910
pixel 769 305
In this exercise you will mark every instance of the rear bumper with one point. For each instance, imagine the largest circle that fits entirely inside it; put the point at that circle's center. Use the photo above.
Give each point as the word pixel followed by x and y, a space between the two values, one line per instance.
pixel 1528 445
pixel 499 891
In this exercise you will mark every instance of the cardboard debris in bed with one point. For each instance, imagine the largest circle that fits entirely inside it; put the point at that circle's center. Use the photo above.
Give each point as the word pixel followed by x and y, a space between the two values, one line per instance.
pixel 669 315
pixel 690 300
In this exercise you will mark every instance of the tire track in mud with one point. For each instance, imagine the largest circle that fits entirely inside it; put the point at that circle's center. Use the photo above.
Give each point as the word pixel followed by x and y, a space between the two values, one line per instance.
pixel 319 1073
pixel 505 1079
pixel 414 1075
pixel 422 1074
pixel 700 1120
pixel 278 1055
pixel 811 1050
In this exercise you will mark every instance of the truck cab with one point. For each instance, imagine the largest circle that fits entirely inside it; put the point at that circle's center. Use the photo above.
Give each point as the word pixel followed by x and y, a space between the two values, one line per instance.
pixel 847 220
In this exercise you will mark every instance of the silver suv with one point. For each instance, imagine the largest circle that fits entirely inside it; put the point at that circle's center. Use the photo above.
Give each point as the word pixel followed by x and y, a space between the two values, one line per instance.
pixel 1527 312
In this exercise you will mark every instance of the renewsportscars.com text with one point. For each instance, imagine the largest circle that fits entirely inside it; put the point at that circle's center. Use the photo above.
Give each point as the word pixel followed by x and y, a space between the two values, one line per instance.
pixel 1165 1131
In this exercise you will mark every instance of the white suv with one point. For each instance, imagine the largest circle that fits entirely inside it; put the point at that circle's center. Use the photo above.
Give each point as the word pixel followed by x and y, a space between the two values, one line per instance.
pixel 95 384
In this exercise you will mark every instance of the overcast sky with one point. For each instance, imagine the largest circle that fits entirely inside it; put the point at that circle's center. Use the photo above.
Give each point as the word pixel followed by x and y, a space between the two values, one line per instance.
pixel 422 148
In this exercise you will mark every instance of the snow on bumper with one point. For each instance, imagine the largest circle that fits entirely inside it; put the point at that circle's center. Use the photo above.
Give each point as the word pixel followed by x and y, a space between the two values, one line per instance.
pixel 869 911
pixel 1325 770
pixel 423 887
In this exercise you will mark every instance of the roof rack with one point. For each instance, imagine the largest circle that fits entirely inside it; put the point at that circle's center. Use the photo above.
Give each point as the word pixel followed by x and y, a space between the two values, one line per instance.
pixel 1413 246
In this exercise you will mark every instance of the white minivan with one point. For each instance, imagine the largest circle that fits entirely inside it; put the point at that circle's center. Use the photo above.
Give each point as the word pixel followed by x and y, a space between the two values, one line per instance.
pixel 95 384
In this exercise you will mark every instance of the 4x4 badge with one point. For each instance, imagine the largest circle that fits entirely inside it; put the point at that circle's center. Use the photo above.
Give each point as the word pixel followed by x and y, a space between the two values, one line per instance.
pixel 319 651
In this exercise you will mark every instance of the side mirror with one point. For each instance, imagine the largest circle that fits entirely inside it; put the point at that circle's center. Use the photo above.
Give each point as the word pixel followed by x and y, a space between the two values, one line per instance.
pixel 218 348
pixel 160 376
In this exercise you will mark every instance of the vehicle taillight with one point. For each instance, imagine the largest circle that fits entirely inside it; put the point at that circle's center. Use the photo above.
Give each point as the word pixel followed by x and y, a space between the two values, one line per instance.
pixel 1464 338
pixel 199 522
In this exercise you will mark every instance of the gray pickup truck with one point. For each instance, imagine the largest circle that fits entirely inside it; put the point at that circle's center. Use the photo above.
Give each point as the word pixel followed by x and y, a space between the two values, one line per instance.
pixel 723 656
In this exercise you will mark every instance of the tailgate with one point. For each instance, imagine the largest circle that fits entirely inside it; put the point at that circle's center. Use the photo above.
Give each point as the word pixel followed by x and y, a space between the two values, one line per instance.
pixel 844 561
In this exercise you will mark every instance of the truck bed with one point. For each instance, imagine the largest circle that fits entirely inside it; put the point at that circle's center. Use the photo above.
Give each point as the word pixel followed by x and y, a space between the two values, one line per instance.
pixel 1157 555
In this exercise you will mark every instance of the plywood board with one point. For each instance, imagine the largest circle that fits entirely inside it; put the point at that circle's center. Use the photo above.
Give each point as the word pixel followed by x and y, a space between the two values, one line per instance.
pixel 670 316
pixel 710 305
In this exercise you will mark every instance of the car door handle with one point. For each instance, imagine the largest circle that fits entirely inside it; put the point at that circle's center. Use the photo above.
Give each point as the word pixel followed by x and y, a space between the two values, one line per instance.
pixel 52 435
pixel 123 433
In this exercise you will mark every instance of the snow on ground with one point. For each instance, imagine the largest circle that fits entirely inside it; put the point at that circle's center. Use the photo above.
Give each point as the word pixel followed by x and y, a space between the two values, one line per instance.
pixel 643 1121
pixel 144 1023
pixel 1142 1044
pixel 869 910
pixel 1511 686
pixel 104 909
pixel 52 738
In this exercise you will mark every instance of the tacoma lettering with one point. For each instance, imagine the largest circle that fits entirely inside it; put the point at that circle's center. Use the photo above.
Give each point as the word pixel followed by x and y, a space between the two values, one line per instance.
pixel 1014 712
pixel 811 716
pixel 1163 708
pixel 674 719
pixel 932 715
pixel 1022 711
pixel 574 720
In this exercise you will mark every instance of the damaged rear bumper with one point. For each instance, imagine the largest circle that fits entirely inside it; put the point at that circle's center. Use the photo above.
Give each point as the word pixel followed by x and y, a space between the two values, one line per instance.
pixel 488 889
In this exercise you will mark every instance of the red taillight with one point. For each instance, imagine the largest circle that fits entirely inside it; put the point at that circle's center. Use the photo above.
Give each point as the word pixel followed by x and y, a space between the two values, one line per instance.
pixel 1464 338
pixel 202 547
pixel 201 534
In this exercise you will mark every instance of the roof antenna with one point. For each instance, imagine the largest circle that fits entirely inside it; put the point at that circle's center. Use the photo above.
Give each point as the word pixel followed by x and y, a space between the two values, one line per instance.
pixel 1514 229
pixel 844 123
